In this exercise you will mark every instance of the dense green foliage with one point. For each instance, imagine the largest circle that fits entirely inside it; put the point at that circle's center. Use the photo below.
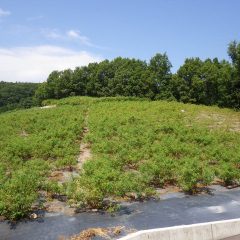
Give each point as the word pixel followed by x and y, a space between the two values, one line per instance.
pixel 209 82
pixel 136 146
pixel 17 95
pixel 32 143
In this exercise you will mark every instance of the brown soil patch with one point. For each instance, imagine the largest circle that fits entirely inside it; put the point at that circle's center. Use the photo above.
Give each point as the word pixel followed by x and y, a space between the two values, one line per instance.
pixel 216 120
pixel 2 218
pixel 56 176
pixel 57 206
pixel 85 152
pixel 168 189
pixel 84 155
pixel 23 133
pixel 235 127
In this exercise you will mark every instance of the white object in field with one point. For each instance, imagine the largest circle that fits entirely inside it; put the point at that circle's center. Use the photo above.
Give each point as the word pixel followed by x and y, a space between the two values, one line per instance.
pixel 48 106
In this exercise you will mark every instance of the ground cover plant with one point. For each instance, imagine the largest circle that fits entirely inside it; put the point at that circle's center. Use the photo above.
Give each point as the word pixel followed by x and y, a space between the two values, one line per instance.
pixel 136 147
pixel 33 142
pixel 140 146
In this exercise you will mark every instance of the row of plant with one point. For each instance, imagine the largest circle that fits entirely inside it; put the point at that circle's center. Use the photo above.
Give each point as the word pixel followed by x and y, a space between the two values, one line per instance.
pixel 86 101
pixel 137 146
pixel 33 142
pixel 140 146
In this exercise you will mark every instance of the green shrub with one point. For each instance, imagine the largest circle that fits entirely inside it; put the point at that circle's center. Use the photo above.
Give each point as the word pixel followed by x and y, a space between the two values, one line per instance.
pixel 228 173
pixel 136 146
pixel 18 193
pixel 32 143
pixel 192 173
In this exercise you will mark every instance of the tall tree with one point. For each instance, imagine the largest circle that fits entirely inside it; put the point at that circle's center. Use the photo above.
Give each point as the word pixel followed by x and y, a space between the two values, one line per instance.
pixel 17 95
pixel 160 66
pixel 234 53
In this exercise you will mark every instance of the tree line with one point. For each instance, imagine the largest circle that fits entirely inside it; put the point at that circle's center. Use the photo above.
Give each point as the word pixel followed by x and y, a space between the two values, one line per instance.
pixel 209 82
pixel 17 95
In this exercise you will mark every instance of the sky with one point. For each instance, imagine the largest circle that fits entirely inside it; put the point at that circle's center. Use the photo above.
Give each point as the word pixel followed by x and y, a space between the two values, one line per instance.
pixel 37 37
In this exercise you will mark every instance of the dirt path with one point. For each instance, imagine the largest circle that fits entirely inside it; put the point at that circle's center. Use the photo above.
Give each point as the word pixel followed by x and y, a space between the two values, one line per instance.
pixel 62 176
pixel 66 174
pixel 85 151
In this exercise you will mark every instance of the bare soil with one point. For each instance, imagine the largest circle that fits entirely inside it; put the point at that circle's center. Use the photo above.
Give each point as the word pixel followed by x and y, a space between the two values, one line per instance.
pixel 216 120
pixel 62 176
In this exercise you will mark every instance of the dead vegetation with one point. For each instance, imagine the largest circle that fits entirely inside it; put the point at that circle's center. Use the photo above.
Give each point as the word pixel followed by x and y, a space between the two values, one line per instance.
pixel 104 233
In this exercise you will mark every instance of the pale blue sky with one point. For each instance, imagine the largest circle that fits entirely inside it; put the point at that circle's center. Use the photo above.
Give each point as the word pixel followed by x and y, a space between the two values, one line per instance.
pixel 37 37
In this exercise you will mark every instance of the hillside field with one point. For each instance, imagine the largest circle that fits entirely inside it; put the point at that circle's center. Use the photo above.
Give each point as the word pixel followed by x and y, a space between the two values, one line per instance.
pixel 137 146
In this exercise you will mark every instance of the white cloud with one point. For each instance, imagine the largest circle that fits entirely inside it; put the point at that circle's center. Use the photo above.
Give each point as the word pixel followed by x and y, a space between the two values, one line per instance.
pixel 74 34
pixel 53 34
pixel 4 13
pixel 70 35
pixel 33 64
